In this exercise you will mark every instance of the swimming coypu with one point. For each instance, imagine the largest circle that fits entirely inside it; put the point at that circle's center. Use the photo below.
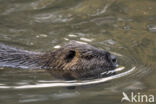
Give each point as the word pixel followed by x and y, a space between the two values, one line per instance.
pixel 74 60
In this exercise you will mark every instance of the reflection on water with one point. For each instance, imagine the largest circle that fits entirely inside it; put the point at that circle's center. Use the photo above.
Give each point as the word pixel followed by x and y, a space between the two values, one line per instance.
pixel 56 83
pixel 126 28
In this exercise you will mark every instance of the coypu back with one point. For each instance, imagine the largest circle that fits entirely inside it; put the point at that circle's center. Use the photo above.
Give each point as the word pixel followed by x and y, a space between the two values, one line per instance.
pixel 17 58
pixel 74 60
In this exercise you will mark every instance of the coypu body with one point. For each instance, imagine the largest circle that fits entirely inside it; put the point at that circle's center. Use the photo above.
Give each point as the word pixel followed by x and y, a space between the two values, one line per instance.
pixel 74 60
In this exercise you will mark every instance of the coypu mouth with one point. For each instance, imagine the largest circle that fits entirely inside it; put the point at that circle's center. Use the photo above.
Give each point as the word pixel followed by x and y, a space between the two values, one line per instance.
pixel 105 71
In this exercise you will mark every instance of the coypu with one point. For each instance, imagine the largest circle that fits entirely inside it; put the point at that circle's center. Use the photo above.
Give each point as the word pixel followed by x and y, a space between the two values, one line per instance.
pixel 74 60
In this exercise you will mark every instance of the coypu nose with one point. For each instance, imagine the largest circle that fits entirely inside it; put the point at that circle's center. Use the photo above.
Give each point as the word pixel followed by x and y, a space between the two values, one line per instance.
pixel 113 60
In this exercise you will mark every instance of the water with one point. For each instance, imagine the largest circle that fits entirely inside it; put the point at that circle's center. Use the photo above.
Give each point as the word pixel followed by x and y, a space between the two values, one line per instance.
pixel 124 27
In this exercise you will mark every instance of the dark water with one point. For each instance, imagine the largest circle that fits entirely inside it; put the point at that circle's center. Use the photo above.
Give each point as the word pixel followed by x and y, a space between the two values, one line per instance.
pixel 126 28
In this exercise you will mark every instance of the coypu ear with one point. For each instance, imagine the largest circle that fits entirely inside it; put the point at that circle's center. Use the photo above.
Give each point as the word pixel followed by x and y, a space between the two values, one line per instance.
pixel 70 55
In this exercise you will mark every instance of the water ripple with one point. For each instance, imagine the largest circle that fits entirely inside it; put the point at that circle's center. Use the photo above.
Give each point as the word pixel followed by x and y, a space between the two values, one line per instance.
pixel 73 83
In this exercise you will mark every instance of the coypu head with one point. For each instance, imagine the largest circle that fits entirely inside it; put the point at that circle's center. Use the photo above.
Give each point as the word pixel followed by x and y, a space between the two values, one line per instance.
pixel 78 61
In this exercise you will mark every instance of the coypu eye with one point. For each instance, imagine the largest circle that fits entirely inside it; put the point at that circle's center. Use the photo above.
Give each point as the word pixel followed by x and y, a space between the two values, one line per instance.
pixel 70 55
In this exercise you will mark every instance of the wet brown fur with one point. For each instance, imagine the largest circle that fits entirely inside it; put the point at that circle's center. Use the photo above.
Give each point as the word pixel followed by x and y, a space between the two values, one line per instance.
pixel 72 61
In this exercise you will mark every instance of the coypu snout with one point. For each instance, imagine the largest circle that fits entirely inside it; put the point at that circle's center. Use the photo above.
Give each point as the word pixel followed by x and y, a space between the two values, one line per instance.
pixel 80 61
pixel 112 59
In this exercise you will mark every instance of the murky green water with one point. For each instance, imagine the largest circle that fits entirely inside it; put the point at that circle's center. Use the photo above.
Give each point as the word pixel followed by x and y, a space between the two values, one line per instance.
pixel 124 27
